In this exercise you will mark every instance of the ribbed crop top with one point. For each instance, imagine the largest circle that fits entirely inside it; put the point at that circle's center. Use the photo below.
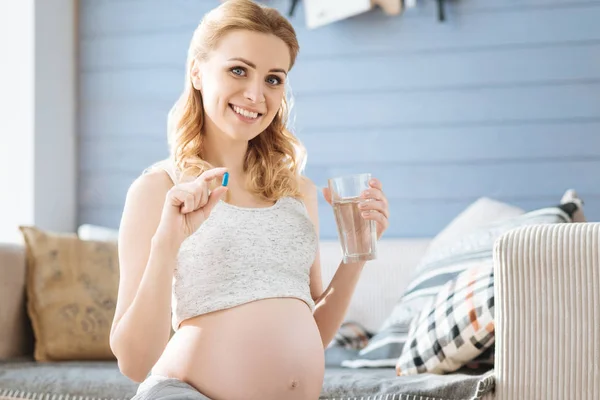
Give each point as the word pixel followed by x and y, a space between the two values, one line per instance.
pixel 240 254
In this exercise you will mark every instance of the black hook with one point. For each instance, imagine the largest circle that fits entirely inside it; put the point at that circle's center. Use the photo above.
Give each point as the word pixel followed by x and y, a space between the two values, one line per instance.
pixel 293 7
pixel 441 14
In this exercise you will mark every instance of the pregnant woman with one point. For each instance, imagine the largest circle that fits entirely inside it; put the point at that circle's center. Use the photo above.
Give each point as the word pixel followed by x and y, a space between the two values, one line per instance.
pixel 232 267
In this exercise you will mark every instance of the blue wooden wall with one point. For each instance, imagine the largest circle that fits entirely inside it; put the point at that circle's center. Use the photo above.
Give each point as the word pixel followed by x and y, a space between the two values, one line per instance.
pixel 501 100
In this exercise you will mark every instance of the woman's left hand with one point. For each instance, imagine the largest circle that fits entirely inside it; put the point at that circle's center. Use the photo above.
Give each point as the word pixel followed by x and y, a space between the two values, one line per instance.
pixel 375 207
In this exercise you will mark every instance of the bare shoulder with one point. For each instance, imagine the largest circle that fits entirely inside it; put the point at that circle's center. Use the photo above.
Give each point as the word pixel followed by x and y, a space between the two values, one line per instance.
pixel 309 197
pixel 307 188
pixel 150 186
pixel 144 202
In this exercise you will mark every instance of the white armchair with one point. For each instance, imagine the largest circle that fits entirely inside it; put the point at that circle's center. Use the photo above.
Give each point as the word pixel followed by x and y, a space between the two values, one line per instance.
pixel 547 311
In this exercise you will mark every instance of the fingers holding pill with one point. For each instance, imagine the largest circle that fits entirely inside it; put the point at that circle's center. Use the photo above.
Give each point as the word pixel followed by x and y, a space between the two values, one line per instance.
pixel 213 173
pixel 199 193
pixel 189 204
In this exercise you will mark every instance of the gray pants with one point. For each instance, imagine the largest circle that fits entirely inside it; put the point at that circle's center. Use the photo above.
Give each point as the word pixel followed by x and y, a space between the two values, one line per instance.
pixel 157 387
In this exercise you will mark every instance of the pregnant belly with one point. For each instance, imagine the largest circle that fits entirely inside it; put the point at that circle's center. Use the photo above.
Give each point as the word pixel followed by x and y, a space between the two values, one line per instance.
pixel 267 349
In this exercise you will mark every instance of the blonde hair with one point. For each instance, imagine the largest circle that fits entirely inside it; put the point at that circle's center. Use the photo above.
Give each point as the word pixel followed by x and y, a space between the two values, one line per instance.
pixel 275 158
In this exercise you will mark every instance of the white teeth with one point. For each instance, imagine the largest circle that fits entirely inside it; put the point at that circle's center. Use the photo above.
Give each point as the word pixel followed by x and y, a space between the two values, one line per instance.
pixel 245 113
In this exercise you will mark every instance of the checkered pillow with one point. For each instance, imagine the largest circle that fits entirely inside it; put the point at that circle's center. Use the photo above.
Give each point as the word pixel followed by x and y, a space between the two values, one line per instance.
pixel 456 327
pixel 351 335
pixel 348 341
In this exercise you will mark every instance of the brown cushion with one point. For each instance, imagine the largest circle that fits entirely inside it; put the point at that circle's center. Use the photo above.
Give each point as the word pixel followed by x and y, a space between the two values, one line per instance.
pixel 72 290
pixel 16 337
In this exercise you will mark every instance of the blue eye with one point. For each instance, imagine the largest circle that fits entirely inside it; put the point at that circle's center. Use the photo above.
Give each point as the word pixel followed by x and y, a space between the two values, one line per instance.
pixel 239 71
pixel 274 80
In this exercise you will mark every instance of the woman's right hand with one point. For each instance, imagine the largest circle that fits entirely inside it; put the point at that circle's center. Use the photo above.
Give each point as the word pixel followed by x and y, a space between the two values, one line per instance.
pixel 188 205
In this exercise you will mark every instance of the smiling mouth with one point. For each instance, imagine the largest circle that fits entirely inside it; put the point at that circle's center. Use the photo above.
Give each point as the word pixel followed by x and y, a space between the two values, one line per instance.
pixel 244 113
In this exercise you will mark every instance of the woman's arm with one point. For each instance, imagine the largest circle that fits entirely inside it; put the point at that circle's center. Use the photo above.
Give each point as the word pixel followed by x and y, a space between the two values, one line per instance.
pixel 332 304
pixel 142 321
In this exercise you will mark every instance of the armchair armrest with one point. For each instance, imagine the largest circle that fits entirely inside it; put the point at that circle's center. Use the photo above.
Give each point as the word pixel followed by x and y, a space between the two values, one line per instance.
pixel 547 311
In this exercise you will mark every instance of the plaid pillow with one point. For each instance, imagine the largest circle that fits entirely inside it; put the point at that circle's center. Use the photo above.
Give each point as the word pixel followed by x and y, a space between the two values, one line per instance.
pixel 349 339
pixel 351 335
pixel 455 328
pixel 484 361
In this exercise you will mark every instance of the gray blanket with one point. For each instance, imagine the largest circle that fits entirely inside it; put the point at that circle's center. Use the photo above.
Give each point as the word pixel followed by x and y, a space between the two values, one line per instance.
pixel 103 381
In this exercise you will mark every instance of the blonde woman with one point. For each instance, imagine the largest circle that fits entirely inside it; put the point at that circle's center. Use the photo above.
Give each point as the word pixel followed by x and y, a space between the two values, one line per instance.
pixel 234 269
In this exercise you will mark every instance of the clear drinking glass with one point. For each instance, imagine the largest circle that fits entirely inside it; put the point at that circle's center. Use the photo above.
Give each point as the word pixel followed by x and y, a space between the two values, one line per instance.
pixel 358 236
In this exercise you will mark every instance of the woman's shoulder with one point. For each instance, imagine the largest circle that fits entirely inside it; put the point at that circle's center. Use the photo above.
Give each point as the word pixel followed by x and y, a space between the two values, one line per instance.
pixel 308 192
pixel 307 187
pixel 166 166
pixel 309 201
pixel 153 180
pixel 147 192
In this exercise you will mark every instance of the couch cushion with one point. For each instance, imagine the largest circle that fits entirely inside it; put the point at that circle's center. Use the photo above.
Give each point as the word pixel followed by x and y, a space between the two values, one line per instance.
pixel 16 336
pixel 72 290
pixel 102 380
pixel 98 380
pixel 97 233
pixel 481 213
pixel 381 280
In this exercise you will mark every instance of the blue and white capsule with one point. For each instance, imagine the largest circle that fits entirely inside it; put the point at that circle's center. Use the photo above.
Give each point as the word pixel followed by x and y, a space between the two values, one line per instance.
pixel 225 179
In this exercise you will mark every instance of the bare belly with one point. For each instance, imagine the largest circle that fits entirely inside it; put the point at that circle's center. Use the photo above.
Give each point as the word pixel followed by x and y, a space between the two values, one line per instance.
pixel 267 349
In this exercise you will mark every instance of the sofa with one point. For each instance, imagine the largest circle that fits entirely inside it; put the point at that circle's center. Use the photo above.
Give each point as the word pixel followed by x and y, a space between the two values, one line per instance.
pixel 547 341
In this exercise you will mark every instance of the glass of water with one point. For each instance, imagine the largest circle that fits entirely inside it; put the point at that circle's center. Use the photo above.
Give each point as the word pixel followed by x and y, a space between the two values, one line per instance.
pixel 358 236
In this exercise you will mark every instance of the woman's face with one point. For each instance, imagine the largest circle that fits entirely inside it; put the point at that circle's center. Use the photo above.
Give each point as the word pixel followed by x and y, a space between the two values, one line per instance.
pixel 242 83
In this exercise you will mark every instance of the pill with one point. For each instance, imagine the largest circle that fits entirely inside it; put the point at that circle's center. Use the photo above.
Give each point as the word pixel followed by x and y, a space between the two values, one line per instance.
pixel 225 179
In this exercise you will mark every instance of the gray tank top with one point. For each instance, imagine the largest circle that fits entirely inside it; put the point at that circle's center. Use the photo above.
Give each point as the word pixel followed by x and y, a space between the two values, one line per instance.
pixel 240 254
